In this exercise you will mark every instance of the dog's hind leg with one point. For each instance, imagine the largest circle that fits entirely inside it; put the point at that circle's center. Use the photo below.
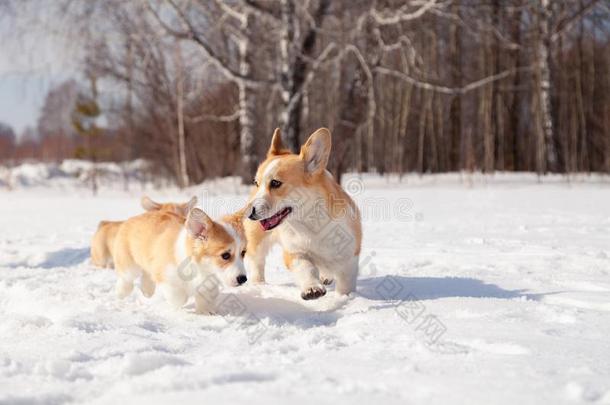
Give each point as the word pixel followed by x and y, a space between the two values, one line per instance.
pixel 147 285
pixel 347 276
pixel 124 283
pixel 127 271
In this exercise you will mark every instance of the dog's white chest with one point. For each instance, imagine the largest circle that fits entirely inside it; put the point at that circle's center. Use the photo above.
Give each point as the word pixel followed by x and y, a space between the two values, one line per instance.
pixel 329 241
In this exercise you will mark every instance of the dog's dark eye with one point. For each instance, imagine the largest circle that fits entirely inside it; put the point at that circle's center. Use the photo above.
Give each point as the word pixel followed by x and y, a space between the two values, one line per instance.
pixel 275 184
pixel 226 256
pixel 243 253
pixel 255 182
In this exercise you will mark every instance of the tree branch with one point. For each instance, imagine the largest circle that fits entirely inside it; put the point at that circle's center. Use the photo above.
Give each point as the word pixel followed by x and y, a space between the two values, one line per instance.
pixel 451 90
pixel 401 15
pixel 217 118
pixel 192 34
pixel 565 24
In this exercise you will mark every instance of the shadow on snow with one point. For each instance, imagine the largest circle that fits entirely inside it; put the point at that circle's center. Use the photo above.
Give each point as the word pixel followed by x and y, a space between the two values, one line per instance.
pixel 390 288
pixel 61 258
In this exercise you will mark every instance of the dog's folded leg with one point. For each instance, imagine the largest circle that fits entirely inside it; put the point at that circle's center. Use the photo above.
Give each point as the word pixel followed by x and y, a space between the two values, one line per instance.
pixel 307 276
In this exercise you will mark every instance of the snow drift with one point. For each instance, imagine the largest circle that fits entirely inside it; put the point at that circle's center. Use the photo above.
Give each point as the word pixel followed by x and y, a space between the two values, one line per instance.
pixel 494 293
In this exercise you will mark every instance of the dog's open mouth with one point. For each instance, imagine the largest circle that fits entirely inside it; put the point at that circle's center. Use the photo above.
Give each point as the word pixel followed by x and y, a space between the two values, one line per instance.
pixel 273 221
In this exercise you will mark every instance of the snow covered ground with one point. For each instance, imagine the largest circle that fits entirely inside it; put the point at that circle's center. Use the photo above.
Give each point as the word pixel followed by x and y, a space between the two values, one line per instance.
pixel 490 291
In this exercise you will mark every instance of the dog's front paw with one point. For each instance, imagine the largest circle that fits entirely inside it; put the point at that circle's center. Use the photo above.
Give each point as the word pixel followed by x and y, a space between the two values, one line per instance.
pixel 313 292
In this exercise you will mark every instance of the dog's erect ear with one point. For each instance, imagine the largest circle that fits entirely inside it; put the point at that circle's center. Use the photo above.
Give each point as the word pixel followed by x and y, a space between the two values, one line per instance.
pixel 276 147
pixel 187 207
pixel 149 205
pixel 236 221
pixel 316 151
pixel 198 224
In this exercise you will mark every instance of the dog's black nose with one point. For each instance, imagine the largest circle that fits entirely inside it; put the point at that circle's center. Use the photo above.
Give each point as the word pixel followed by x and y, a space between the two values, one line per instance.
pixel 252 215
pixel 241 279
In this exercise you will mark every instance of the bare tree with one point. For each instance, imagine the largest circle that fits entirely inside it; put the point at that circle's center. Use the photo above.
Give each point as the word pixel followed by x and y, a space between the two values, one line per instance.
pixel 421 86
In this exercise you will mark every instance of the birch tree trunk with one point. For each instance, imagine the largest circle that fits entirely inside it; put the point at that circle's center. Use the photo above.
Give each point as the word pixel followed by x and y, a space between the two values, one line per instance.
pixel 402 132
pixel 287 118
pixel 485 108
pixel 515 156
pixel 247 142
pixel 497 98
pixel 129 119
pixel 182 170
pixel 295 52
pixel 455 110
pixel 544 90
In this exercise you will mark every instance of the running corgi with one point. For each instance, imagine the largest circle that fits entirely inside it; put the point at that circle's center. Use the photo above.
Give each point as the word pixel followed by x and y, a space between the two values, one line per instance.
pixel 180 255
pixel 298 204
pixel 103 239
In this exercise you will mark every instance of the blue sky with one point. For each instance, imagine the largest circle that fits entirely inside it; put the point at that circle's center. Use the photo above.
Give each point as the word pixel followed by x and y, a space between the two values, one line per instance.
pixel 21 96
pixel 30 63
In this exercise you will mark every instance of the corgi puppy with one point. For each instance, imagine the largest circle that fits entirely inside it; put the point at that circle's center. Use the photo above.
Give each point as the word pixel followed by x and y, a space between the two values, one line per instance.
pixel 103 239
pixel 298 204
pixel 179 254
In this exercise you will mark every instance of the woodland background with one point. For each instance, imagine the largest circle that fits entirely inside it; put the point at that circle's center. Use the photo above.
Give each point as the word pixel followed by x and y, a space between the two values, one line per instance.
pixel 197 87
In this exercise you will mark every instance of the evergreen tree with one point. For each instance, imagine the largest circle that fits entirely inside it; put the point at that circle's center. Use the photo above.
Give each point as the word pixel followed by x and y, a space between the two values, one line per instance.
pixel 85 115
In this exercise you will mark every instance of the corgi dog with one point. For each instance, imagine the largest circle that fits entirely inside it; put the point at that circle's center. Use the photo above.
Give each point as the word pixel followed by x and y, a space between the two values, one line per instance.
pixel 179 255
pixel 298 204
pixel 103 239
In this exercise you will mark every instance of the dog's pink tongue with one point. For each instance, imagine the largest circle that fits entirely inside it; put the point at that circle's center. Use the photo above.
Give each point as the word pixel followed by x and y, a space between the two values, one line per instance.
pixel 270 222
pixel 266 224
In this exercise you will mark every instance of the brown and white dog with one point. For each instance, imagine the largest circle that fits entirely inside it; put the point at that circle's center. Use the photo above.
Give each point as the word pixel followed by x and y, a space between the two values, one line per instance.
pixel 180 255
pixel 103 239
pixel 298 204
